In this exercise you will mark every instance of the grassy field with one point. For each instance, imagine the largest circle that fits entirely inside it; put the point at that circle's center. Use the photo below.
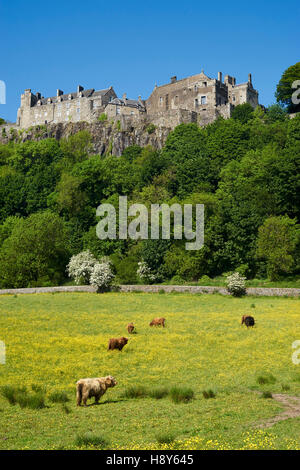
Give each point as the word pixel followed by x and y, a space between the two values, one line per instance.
pixel 52 340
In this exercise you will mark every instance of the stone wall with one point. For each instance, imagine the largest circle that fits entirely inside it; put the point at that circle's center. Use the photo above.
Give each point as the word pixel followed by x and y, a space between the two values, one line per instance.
pixel 255 291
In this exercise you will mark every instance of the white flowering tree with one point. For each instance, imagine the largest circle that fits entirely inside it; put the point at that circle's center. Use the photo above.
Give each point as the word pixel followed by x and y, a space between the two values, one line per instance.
pixel 236 284
pixel 144 272
pixel 102 275
pixel 80 267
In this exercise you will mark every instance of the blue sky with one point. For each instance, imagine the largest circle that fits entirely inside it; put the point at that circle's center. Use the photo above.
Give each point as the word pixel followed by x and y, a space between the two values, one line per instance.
pixel 132 45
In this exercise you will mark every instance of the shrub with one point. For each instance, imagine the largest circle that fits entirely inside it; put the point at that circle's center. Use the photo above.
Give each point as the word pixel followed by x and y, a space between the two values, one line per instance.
pixel 177 280
pixel 102 117
pixel 137 391
pixel 285 387
pixel 145 273
pixel 59 397
pixel 89 439
pixel 181 395
pixel 204 279
pixel 151 128
pixel 208 394
pixel 236 285
pixel 81 266
pixel 101 275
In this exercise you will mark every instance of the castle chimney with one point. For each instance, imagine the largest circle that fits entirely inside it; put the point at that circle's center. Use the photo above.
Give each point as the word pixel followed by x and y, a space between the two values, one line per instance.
pixel 250 78
pixel 173 79
pixel 79 88
pixel 140 99
pixel 220 76
pixel 59 92
pixel 124 97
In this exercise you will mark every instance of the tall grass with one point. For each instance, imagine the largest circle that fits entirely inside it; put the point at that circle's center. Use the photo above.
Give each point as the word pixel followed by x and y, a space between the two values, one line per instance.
pixel 181 395
pixel 89 439
pixel 137 391
pixel 208 394
pixel 59 397
pixel 20 395
pixel 267 378
pixel 158 393
pixel 165 438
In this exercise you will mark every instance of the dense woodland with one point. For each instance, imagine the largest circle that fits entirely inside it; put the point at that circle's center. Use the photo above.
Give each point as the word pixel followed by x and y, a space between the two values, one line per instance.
pixel 245 170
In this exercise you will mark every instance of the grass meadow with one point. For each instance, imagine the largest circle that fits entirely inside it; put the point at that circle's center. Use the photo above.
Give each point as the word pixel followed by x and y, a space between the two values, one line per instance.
pixel 52 340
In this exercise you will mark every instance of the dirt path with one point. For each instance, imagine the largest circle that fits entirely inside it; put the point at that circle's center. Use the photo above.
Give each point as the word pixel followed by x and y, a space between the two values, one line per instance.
pixel 292 410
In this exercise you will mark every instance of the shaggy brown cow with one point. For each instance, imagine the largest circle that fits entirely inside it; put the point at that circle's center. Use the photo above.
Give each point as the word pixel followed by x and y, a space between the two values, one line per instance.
pixel 248 320
pixel 130 328
pixel 87 388
pixel 158 322
pixel 117 343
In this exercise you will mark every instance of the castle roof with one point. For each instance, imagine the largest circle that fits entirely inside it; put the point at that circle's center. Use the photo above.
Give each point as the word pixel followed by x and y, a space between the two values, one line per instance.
pixel 84 94
pixel 199 76
pixel 127 102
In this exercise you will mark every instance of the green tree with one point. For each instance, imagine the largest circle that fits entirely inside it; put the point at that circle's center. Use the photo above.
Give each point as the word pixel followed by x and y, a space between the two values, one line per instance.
pixel 285 88
pixel 276 243
pixel 35 253
pixel 243 113
pixel 275 112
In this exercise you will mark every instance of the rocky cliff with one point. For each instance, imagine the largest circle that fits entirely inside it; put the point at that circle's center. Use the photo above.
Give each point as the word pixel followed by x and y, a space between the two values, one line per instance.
pixel 107 137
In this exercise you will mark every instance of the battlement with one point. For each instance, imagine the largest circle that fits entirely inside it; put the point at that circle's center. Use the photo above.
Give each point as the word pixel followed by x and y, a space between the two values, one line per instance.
pixel 197 98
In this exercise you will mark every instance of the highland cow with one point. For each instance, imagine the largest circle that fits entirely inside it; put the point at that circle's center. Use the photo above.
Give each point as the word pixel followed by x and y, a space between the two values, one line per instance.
pixel 117 343
pixel 158 322
pixel 130 328
pixel 96 387
pixel 248 320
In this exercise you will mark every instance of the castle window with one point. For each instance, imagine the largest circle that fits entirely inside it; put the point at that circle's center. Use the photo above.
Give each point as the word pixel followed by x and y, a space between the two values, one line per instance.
pixel 78 110
pixel 203 99
pixel 195 88
pixel 233 98
pixel 204 84
pixel 118 110
pixel 196 103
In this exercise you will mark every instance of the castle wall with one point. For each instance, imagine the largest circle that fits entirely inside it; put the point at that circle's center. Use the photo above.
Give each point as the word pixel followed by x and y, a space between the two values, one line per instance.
pixel 197 98
pixel 73 109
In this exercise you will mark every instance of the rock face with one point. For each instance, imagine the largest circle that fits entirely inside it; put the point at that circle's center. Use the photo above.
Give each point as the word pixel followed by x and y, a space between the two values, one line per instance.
pixel 107 137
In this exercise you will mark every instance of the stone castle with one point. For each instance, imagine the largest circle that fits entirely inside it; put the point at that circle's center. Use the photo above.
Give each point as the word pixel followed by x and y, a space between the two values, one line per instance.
pixel 197 98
